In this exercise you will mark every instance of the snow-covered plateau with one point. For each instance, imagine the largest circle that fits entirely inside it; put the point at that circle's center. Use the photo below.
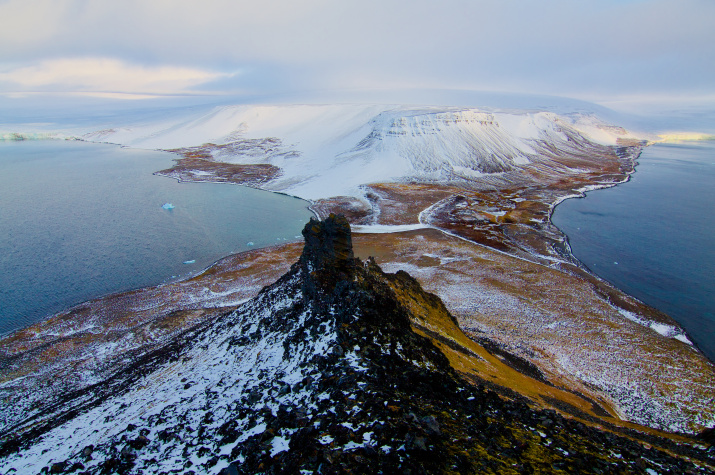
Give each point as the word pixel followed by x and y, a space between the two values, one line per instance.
pixel 331 150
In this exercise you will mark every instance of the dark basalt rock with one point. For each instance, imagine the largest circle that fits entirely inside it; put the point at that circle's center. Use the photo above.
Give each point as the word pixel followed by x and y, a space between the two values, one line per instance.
pixel 381 398
pixel 328 253
pixel 708 435
pixel 422 416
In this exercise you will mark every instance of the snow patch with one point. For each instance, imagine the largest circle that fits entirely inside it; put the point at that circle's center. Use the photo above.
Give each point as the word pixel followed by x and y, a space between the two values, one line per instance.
pixel 668 331
pixel 386 228
pixel 279 444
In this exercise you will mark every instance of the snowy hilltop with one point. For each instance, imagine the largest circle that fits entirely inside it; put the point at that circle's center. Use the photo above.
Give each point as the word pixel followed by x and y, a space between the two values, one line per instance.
pixel 330 150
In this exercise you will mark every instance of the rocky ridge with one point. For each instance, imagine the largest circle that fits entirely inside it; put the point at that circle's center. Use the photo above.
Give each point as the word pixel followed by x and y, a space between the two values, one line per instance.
pixel 320 373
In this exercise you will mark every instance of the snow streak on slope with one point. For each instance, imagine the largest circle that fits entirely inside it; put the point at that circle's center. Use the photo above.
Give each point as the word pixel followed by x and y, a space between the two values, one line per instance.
pixel 251 360
pixel 331 150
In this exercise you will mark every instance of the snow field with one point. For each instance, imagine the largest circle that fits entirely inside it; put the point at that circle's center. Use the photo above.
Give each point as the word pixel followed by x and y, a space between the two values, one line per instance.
pixel 330 150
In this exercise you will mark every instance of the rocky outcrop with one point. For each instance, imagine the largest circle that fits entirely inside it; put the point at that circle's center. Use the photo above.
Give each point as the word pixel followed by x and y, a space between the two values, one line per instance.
pixel 320 373
pixel 328 253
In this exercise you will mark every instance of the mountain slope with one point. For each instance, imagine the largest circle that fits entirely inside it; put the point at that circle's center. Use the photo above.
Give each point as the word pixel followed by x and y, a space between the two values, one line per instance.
pixel 321 372
pixel 331 150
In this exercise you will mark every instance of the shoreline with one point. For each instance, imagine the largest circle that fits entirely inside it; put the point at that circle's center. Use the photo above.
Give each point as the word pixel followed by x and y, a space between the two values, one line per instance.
pixel 680 325
pixel 240 179
pixel 166 282
pixel 449 254
pixel 180 273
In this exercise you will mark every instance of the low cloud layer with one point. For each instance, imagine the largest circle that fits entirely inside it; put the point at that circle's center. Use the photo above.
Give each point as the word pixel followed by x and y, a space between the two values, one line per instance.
pixel 105 75
pixel 593 50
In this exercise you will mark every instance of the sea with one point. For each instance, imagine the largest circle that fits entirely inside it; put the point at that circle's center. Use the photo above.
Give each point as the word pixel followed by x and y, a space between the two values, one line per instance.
pixel 654 235
pixel 81 220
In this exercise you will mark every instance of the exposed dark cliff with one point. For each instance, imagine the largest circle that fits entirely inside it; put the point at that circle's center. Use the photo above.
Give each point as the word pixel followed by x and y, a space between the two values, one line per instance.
pixel 320 373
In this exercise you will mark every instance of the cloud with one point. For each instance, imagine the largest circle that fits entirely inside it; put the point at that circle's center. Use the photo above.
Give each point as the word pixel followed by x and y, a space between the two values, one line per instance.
pixel 106 76
pixel 572 47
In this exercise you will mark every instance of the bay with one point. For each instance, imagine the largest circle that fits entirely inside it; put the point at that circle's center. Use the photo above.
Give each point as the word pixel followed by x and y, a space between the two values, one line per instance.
pixel 80 220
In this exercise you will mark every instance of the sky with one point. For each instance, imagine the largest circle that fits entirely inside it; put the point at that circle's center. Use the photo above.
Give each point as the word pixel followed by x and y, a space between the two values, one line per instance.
pixel 603 50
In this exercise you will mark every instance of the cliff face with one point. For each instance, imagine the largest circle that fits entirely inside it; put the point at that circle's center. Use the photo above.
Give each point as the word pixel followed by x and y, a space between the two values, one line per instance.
pixel 321 372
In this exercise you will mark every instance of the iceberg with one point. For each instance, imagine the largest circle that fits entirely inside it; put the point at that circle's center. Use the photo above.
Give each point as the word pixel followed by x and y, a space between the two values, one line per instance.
pixel 168 206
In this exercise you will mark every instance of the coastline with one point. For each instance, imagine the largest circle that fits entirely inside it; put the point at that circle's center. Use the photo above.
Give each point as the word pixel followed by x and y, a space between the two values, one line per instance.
pixel 31 308
pixel 239 179
pixel 490 252
pixel 658 164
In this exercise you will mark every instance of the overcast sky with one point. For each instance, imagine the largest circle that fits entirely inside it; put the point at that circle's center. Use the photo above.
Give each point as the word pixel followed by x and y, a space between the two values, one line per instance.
pixel 595 50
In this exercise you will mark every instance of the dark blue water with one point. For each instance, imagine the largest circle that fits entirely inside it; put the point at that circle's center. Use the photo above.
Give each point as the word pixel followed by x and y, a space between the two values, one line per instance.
pixel 81 220
pixel 654 236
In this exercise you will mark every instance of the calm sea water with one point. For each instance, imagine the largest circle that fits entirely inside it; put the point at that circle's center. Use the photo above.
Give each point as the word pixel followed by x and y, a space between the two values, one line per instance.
pixel 654 236
pixel 81 220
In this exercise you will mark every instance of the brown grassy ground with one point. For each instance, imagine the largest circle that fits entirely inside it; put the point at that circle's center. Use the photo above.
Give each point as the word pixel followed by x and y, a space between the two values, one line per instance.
pixel 558 321
pixel 200 169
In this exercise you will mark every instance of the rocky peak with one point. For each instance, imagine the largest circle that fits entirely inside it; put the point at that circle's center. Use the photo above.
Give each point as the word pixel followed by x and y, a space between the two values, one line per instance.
pixel 321 372
pixel 328 252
